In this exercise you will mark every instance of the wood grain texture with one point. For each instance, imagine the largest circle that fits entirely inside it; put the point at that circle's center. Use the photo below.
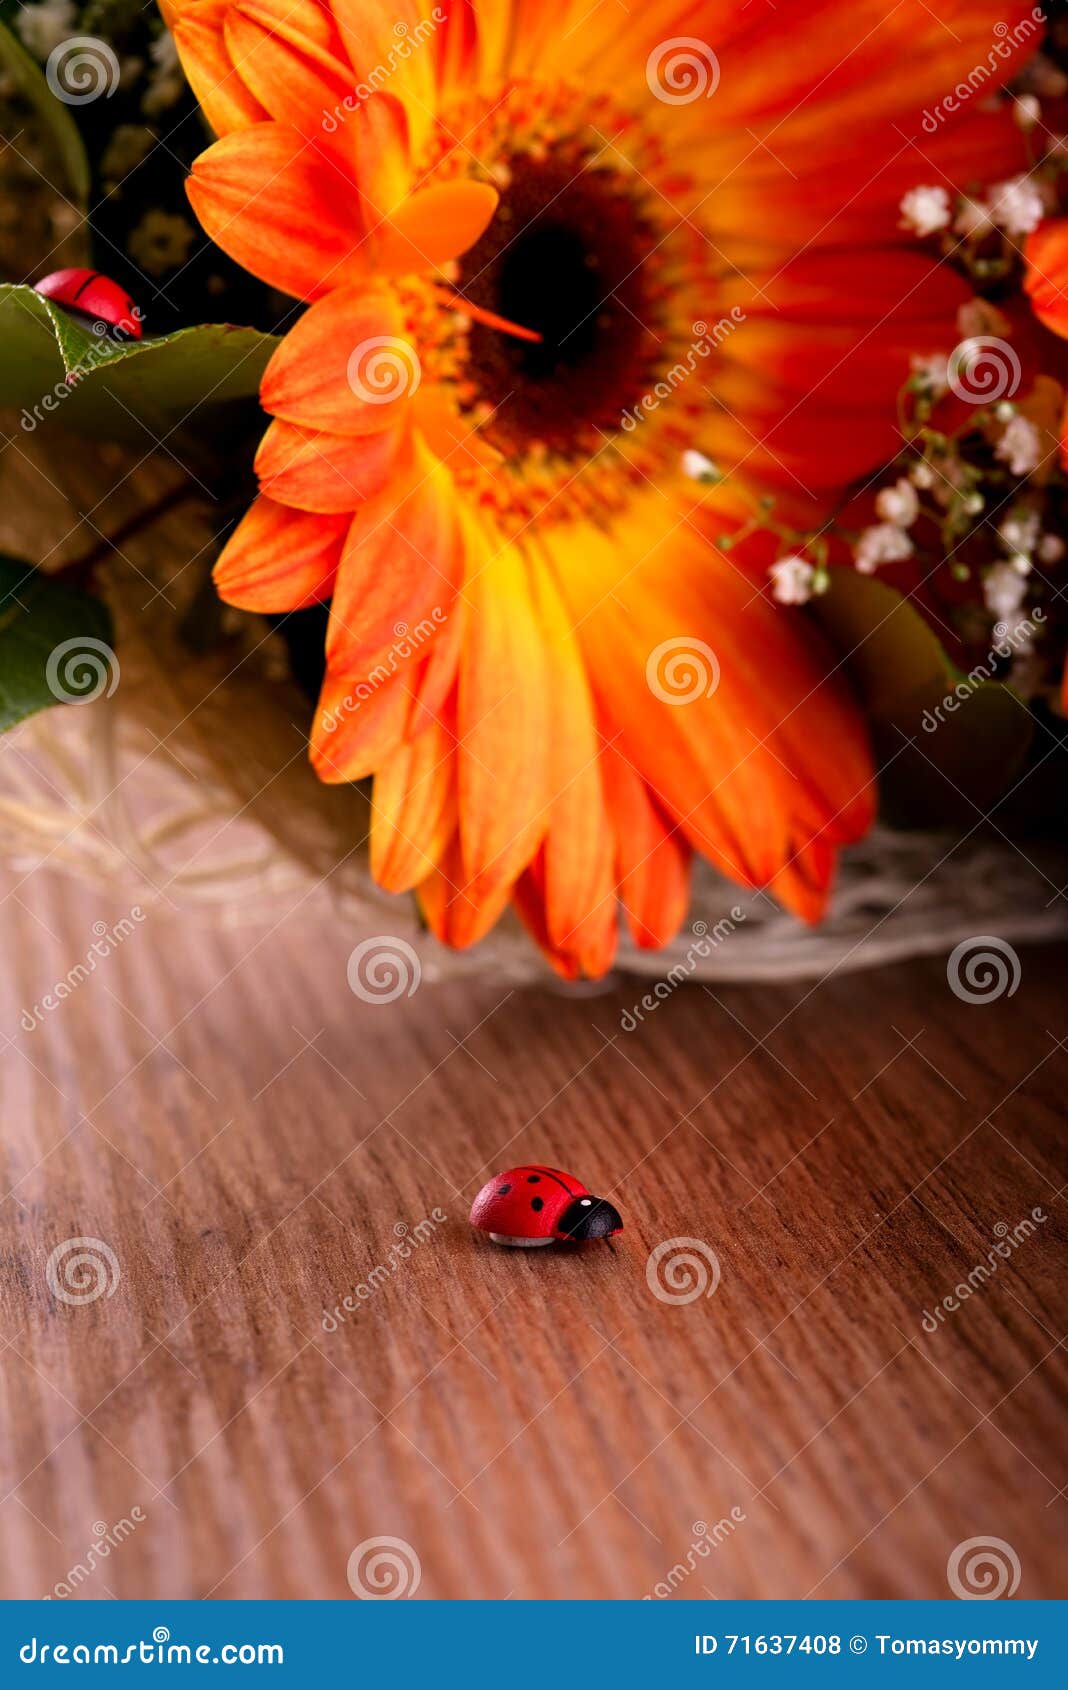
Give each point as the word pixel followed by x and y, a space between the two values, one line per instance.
pixel 249 1139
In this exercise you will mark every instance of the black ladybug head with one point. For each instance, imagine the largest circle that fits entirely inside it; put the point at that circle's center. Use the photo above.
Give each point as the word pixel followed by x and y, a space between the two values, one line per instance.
pixel 588 1217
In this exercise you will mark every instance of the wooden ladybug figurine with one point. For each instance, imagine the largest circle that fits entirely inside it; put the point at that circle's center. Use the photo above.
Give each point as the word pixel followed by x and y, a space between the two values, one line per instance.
pixel 96 299
pixel 535 1205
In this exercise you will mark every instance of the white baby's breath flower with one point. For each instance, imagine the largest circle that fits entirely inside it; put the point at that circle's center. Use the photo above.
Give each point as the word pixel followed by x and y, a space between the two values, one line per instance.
pixel 898 504
pixel 882 543
pixel 698 467
pixel 1004 590
pixel 925 210
pixel 44 27
pixel 792 580
pixel 1020 447
pixel 1019 531
pixel 931 371
pixel 1017 205
pixel 1050 548
pixel 167 81
pixel 1020 634
pixel 1027 111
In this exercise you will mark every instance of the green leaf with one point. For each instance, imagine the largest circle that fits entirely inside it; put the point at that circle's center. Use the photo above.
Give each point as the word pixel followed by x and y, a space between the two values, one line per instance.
pixel 29 79
pixel 59 374
pixel 54 644
pixel 947 743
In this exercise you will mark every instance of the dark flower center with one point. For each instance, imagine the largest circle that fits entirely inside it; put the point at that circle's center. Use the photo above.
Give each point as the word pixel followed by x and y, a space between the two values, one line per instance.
pixel 571 256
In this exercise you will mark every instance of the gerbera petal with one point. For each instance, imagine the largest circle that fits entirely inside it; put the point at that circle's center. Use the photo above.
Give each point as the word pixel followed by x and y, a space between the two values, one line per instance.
pixel 399 572
pixel 456 912
pixel 821 325
pixel 589 950
pixel 503 722
pixel 653 858
pixel 280 559
pixel 319 471
pixel 288 54
pixel 433 226
pixel 433 701
pixel 577 877
pixel 345 366
pixel 383 155
pixel 456 46
pixel 413 810
pixel 198 35
pixel 388 39
pixel 280 208
pixel 753 751
pixel 359 722
pixel 801 884
pixel 1047 273
pixel 450 436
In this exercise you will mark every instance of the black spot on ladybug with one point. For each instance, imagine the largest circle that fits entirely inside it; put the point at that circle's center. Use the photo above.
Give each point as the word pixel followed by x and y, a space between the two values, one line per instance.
pixel 503 1190
pixel 533 1179
pixel 88 282
pixel 537 1203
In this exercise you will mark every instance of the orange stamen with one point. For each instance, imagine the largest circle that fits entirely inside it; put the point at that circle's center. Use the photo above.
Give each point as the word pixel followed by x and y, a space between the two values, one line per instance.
pixel 489 318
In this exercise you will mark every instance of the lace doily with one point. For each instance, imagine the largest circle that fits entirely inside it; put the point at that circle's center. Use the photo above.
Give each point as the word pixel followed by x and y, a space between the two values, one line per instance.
pixel 191 784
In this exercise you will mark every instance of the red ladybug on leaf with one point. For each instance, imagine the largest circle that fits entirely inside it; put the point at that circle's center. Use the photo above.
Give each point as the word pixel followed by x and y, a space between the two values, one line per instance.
pixel 535 1205
pixel 94 298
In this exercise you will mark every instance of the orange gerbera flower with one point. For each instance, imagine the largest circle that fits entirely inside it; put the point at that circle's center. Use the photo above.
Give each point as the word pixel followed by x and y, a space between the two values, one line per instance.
pixel 1047 285
pixel 547 248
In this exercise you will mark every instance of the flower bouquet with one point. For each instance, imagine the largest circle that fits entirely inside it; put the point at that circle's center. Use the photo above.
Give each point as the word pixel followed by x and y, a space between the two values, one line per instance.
pixel 639 447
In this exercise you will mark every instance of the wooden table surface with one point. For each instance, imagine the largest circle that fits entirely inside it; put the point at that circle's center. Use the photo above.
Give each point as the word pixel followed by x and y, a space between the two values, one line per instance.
pixel 253 1144
pixel 246 1144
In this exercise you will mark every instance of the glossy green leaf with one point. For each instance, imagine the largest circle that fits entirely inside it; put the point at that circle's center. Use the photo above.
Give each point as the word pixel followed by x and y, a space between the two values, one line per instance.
pixel 947 744
pixel 54 644
pixel 55 372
